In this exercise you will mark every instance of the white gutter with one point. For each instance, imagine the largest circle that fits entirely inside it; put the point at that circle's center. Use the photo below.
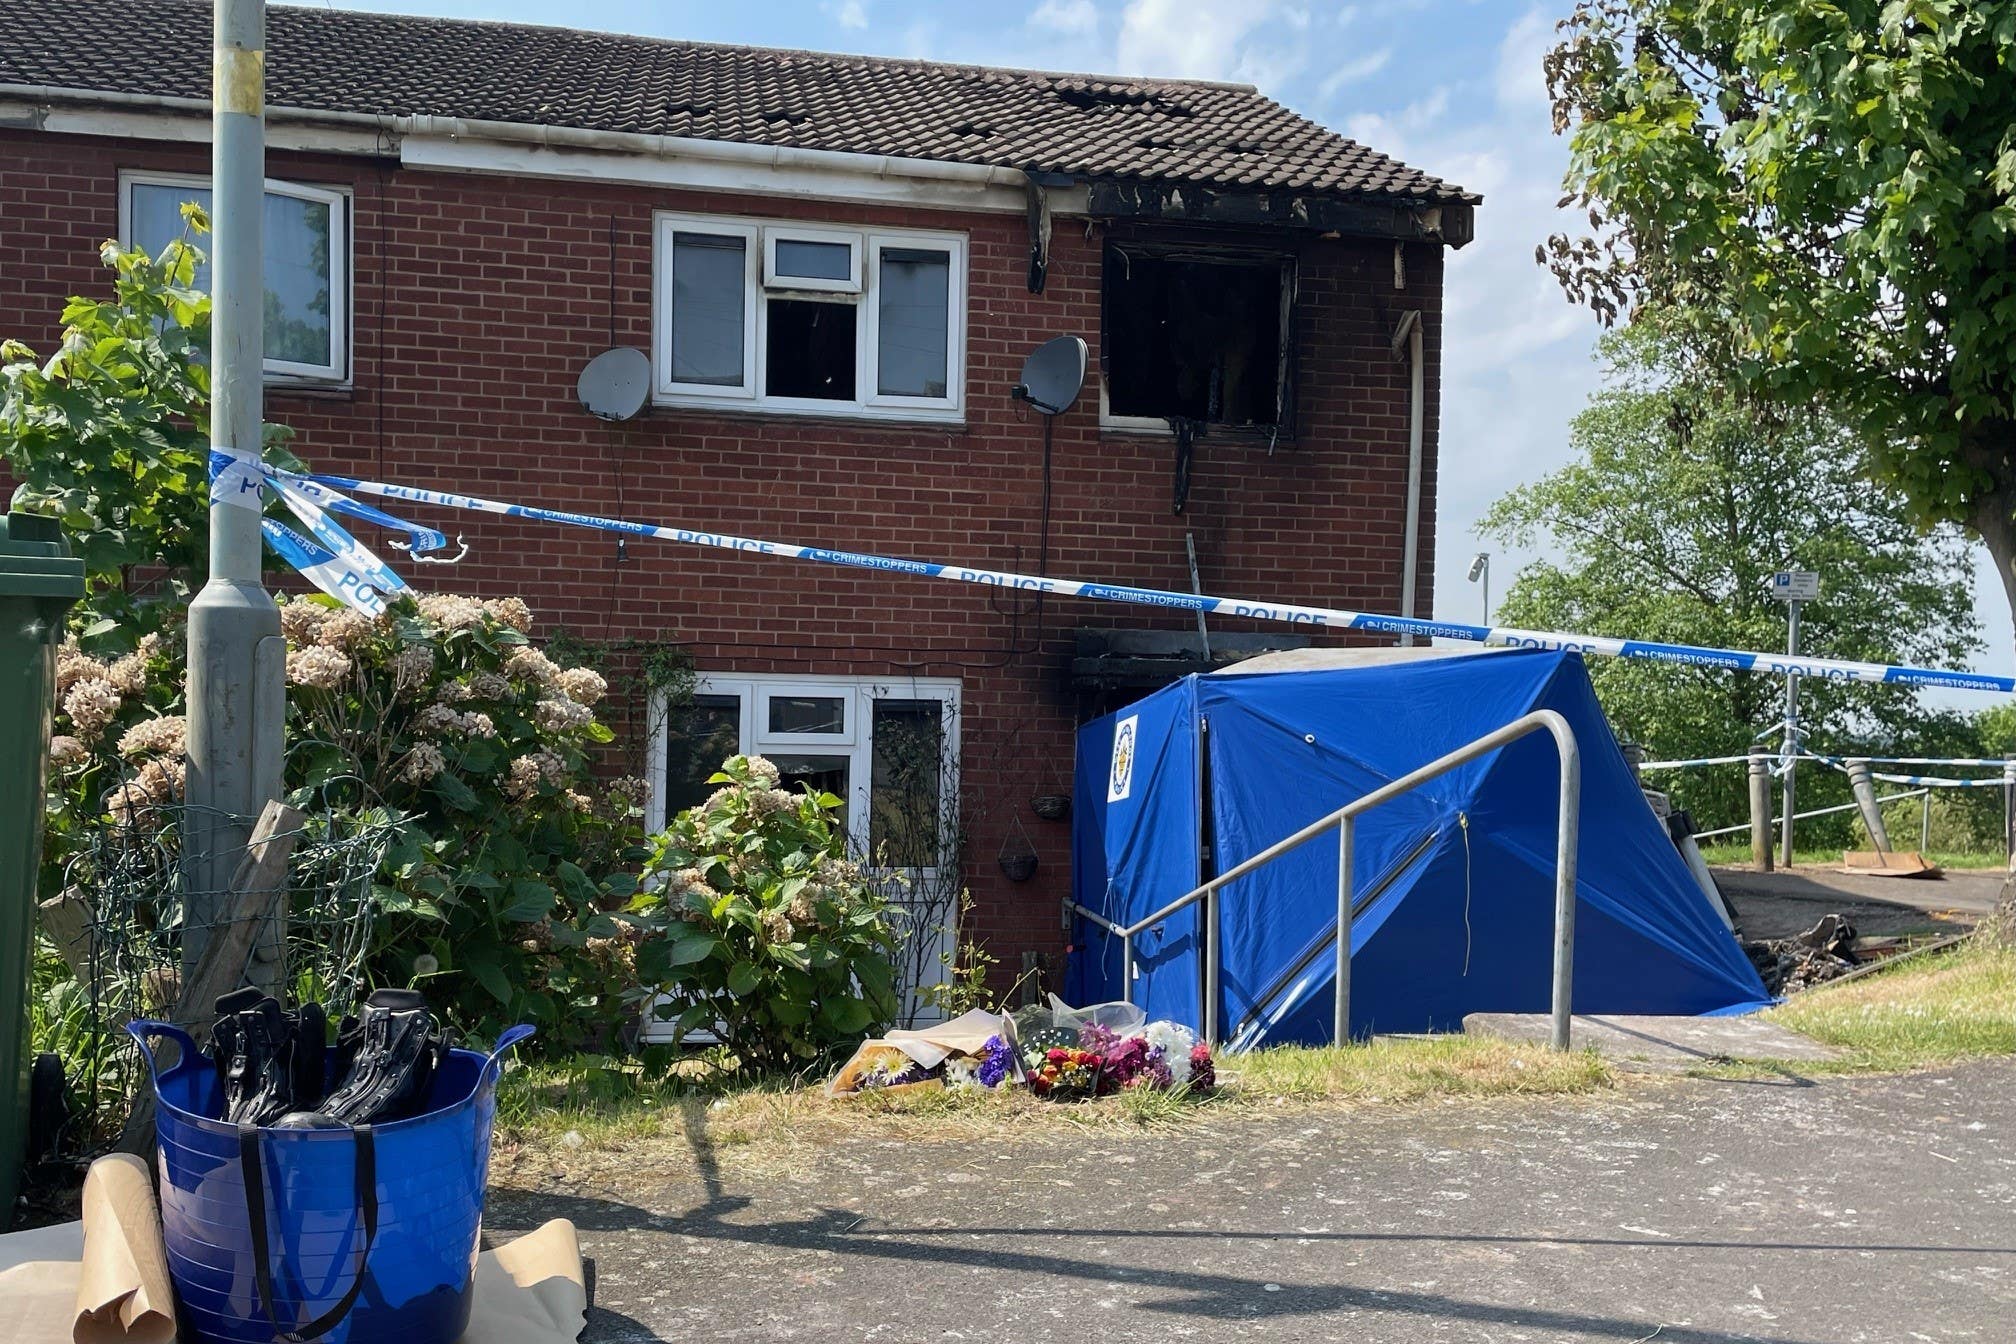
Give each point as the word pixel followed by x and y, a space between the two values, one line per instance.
pixel 386 131
pixel 1409 333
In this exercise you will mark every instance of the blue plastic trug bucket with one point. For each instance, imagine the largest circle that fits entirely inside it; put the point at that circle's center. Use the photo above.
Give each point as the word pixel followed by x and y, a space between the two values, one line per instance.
pixel 429 1178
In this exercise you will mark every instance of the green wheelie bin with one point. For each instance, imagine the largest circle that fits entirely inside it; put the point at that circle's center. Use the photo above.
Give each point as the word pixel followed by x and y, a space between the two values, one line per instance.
pixel 39 582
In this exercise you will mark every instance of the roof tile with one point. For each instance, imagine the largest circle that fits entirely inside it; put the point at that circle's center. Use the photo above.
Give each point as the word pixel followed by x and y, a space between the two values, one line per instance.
pixel 395 65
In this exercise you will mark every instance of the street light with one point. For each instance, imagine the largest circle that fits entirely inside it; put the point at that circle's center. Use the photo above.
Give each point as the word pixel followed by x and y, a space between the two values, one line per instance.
pixel 1480 572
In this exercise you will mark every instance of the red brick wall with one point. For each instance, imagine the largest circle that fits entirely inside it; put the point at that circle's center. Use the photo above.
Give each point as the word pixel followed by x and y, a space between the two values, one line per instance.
pixel 478 299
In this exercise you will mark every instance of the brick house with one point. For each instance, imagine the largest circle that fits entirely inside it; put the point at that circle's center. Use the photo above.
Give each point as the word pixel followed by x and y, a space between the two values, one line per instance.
pixel 836 265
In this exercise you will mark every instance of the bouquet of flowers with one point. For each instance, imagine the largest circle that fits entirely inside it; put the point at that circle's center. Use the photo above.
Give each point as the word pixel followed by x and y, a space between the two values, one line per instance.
pixel 1095 1060
pixel 973 1051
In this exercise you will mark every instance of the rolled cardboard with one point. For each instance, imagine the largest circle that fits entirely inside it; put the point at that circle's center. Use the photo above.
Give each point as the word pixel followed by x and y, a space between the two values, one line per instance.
pixel 123 1291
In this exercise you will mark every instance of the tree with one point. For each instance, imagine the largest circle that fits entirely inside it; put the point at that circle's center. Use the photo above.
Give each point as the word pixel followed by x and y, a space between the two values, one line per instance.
pixel 1681 501
pixel 111 434
pixel 1825 192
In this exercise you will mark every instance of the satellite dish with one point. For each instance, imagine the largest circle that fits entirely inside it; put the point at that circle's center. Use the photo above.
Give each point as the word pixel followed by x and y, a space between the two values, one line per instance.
pixel 1052 375
pixel 615 383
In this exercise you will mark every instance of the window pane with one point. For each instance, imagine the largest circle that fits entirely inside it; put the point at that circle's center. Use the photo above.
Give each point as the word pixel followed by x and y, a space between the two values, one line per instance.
pixel 906 783
pixel 815 261
pixel 297 279
pixel 1193 338
pixel 808 714
pixel 297 235
pixel 810 350
pixel 155 219
pixel 707 733
pixel 914 339
pixel 708 276
pixel 826 774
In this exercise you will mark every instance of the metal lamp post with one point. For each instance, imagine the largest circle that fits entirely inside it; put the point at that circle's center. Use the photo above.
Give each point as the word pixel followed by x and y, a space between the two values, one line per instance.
pixel 237 657
pixel 1480 572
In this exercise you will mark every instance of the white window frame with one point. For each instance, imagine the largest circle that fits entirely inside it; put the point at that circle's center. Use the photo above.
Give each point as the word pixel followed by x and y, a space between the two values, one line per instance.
pixel 758 289
pixel 776 234
pixel 955 332
pixel 338 201
pixel 752 275
pixel 752 690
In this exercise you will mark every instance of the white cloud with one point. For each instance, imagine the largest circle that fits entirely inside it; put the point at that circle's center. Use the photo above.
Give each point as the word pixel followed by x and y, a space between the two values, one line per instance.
pixel 1351 72
pixel 1076 17
pixel 1205 39
pixel 849 13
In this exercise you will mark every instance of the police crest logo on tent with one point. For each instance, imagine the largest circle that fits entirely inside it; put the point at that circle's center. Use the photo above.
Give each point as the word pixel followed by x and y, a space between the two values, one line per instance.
pixel 1120 782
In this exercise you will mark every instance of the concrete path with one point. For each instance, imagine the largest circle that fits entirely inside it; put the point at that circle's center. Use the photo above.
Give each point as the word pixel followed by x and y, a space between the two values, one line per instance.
pixel 1691 1212
pixel 1662 1044
pixel 1780 904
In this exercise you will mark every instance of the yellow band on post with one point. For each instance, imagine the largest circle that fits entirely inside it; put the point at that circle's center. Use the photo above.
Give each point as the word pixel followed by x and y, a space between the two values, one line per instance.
pixel 241 80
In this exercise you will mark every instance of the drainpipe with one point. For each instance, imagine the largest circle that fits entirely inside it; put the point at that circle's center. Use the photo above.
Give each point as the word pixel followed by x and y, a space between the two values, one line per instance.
pixel 1408 333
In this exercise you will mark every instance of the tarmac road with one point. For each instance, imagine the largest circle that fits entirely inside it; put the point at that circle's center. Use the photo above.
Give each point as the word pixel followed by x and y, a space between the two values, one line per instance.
pixel 1691 1212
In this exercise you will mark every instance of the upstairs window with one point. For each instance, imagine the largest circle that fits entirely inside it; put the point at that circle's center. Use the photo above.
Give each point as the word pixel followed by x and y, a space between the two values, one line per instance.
pixel 783 317
pixel 1196 334
pixel 307 253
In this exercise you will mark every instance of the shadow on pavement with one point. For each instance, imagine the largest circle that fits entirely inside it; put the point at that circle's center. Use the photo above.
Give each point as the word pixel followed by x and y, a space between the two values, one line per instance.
pixel 1217 1296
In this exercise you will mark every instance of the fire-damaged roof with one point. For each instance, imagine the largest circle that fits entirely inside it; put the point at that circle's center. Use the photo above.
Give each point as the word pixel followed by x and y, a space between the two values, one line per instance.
pixel 1092 127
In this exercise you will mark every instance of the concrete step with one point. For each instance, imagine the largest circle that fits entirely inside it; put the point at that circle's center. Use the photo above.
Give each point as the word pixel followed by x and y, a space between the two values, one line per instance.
pixel 1667 1044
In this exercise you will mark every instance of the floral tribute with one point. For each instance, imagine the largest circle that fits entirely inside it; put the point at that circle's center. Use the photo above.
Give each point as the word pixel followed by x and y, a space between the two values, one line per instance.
pixel 1059 1062
pixel 1096 1061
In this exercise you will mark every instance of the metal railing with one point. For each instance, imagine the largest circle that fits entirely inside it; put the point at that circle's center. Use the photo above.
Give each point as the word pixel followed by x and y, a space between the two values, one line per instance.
pixel 1343 820
pixel 1924 816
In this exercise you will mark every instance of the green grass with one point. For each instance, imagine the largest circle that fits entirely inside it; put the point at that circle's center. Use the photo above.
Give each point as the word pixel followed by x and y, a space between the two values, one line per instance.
pixel 1738 856
pixel 1928 1011
pixel 595 1116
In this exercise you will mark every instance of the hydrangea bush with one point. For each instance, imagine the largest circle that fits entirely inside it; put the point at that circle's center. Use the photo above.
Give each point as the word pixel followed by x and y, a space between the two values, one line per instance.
pixel 772 939
pixel 505 890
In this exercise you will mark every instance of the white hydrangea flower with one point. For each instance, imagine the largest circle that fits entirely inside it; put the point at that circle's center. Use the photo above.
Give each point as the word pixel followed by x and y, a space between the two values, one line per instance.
pixel 164 736
pixel 91 705
pixel 317 667
pixel 422 763
pixel 583 684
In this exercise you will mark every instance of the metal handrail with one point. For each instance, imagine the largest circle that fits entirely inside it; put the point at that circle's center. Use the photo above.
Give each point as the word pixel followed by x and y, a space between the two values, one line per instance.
pixel 1926 794
pixel 1567 842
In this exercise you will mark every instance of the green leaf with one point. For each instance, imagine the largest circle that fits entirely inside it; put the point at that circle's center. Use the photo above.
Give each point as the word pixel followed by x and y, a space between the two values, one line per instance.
pixel 530 901
pixel 845 1016
pixel 576 882
pixel 455 793
pixel 489 975
pixel 743 979
pixel 687 951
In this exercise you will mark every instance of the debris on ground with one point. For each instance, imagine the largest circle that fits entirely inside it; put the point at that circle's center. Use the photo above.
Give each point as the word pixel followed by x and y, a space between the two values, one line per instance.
pixel 1824 952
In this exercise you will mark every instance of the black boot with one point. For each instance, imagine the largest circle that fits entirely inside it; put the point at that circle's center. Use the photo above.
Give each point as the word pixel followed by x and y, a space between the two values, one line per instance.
pixel 393 1051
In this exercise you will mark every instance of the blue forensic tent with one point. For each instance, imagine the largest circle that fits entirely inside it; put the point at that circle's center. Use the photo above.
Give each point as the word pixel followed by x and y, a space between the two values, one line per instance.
pixel 1454 880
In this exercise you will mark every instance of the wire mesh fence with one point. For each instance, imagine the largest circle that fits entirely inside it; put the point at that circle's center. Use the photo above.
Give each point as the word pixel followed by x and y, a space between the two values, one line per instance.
pixel 132 916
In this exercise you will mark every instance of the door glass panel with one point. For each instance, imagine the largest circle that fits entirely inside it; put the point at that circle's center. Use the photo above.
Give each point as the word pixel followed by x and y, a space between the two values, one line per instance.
pixel 707 733
pixel 808 714
pixel 826 774
pixel 906 783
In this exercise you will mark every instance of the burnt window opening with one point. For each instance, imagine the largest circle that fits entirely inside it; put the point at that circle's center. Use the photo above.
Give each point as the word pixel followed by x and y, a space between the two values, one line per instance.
pixel 1197 336
pixel 810 350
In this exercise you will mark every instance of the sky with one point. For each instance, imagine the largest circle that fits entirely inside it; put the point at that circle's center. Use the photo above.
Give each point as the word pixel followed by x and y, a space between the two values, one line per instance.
pixel 1452 87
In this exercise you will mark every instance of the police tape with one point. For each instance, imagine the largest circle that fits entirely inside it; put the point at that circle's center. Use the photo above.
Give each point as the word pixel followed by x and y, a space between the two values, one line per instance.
pixel 329 557
pixel 1935 782
pixel 1290 613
